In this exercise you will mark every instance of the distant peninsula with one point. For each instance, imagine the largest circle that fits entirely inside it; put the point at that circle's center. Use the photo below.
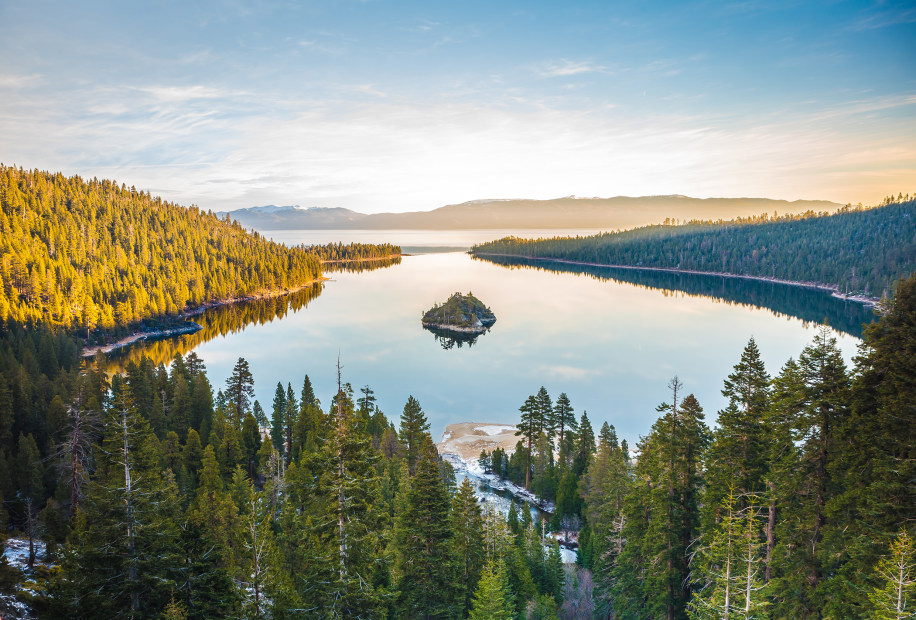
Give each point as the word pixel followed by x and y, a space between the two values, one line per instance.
pixel 464 314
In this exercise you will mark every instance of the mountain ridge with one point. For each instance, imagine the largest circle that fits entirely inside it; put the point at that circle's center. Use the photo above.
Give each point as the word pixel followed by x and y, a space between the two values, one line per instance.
pixel 567 212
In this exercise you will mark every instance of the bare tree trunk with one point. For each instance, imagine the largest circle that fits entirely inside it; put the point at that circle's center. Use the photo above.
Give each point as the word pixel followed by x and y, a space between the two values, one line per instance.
pixel 528 464
pixel 131 543
pixel 340 478
pixel 771 532
pixel 674 385
pixel 288 446
pixel 30 524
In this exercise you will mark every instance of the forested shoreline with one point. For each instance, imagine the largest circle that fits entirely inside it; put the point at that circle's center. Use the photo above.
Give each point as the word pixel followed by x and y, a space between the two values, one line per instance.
pixel 106 259
pixel 855 251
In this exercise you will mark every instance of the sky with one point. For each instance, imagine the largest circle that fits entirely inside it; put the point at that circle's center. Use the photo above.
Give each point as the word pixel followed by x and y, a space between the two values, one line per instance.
pixel 402 106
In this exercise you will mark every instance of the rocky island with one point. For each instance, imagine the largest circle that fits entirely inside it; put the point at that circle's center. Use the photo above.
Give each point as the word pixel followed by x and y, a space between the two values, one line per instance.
pixel 458 321
pixel 461 313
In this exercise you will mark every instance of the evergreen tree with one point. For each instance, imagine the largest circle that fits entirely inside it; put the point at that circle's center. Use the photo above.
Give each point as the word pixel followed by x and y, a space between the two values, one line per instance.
pixel 239 392
pixel 211 543
pixel 336 521
pixel 555 575
pixel 307 398
pixel 192 457
pixel 259 574
pixel 529 427
pixel 426 563
pixel 260 417
pixel 662 521
pixel 727 568
pixel 585 445
pixel 251 445
pixel 414 427
pixel 467 528
pixel 277 417
pixel 123 557
pixel 491 601
pixel 738 451
pixel 895 595
pixel 874 468
pixel 564 420
pixel 813 403
pixel 545 412
pixel 179 418
pixel 292 407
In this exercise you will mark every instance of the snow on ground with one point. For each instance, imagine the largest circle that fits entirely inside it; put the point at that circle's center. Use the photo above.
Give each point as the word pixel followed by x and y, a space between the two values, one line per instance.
pixel 495 429
pixel 568 555
pixel 468 439
pixel 461 446
pixel 17 552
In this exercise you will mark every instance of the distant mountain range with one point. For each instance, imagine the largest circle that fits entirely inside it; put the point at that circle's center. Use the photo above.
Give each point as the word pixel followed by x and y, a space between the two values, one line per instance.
pixel 570 212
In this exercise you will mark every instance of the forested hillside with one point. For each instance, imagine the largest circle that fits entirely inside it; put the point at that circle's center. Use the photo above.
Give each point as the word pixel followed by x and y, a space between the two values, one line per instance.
pixel 856 251
pixel 77 253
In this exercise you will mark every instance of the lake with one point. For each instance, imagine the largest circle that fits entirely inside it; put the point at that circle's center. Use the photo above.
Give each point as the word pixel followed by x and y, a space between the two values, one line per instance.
pixel 611 339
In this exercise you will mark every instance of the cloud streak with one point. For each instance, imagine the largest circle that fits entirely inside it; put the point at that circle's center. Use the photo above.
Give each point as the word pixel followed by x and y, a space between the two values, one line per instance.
pixel 566 68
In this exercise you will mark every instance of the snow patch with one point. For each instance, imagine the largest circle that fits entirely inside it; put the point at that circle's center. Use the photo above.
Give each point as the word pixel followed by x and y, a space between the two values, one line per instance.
pixel 17 552
pixel 494 429
pixel 445 436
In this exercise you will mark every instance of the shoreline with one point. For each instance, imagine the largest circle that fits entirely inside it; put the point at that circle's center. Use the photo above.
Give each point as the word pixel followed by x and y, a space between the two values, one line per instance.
pixel 198 310
pixel 833 290
pixel 191 326
pixel 454 328
pixel 361 260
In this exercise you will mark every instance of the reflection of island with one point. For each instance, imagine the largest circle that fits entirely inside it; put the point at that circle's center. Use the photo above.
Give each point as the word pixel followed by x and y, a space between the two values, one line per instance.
pixel 458 321
pixel 809 305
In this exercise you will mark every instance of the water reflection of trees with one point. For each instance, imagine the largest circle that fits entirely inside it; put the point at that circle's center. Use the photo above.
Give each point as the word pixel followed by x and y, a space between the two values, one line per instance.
pixel 360 266
pixel 233 318
pixel 809 305
pixel 449 339
pixel 217 321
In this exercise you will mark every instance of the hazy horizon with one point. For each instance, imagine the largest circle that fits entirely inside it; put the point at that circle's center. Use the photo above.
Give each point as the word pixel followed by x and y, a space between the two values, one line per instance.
pixel 519 199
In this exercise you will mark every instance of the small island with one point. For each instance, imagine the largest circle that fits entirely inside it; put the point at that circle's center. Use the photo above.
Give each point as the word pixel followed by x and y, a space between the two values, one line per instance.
pixel 459 320
pixel 461 313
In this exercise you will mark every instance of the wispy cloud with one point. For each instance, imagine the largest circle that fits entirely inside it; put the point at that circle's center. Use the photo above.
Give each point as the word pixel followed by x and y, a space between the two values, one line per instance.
pixel 383 155
pixel 324 48
pixel 12 80
pixel 178 94
pixel 423 25
pixel 889 17
pixel 565 68
pixel 567 373
pixel 369 89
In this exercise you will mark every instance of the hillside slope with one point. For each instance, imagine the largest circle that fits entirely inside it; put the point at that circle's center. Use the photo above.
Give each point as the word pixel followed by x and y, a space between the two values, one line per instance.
pixel 861 251
pixel 87 253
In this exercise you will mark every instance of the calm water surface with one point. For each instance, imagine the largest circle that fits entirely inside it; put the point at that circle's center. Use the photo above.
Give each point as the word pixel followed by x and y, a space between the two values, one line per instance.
pixel 610 341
